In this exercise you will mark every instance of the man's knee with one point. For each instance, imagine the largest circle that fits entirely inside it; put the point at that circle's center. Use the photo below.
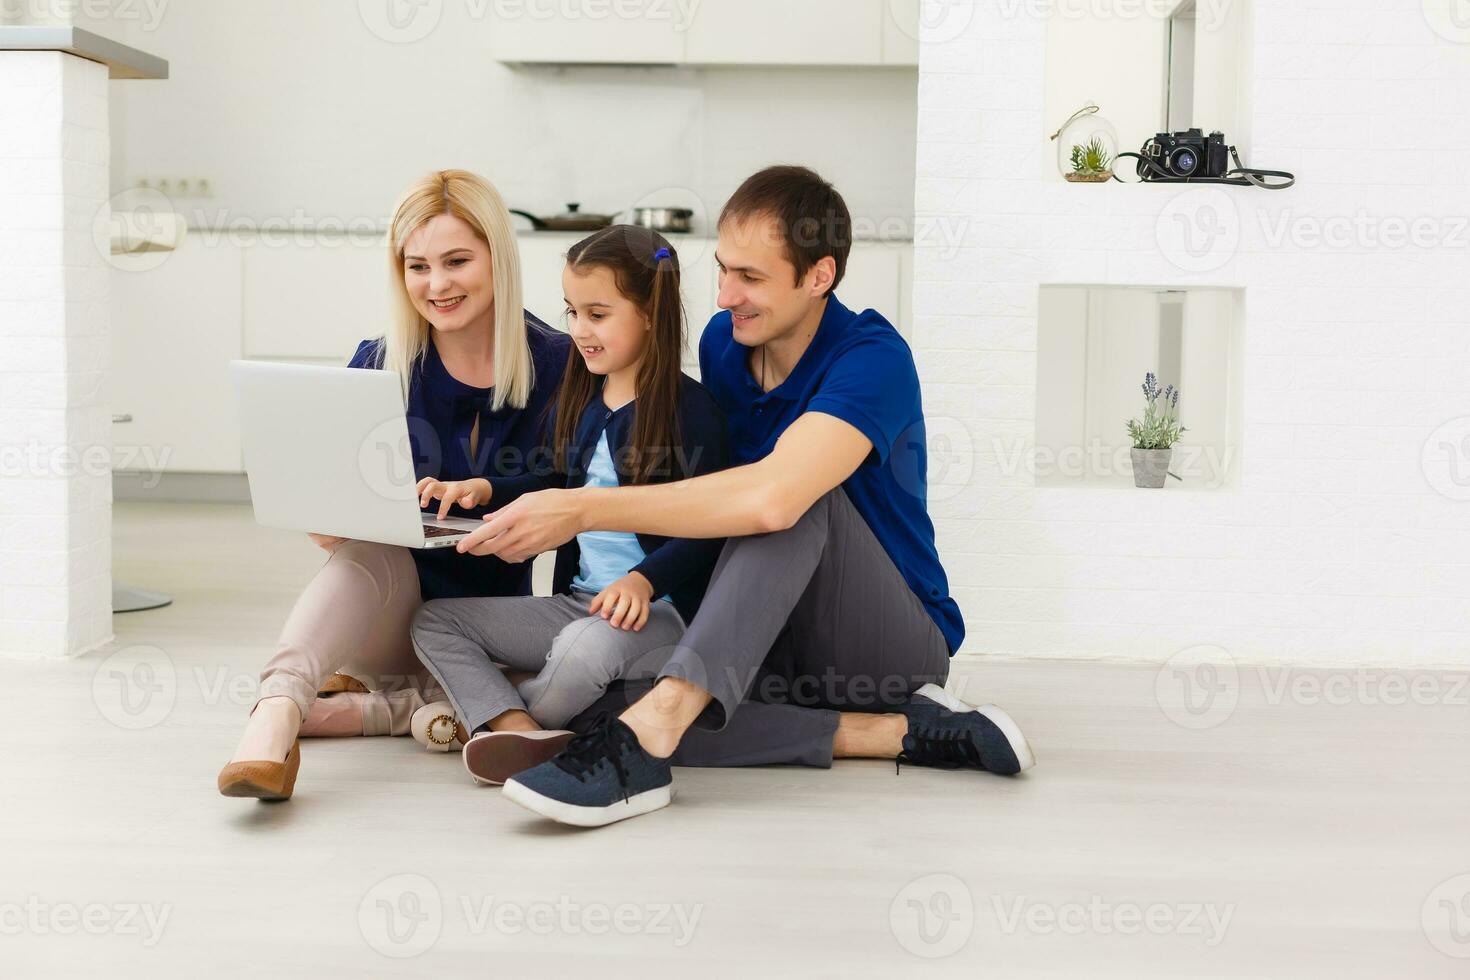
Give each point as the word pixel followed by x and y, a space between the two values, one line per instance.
pixel 819 514
pixel 814 520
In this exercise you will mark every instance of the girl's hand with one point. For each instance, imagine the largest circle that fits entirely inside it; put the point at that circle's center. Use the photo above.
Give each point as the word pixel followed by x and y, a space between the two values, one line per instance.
pixel 625 603
pixel 326 542
pixel 466 493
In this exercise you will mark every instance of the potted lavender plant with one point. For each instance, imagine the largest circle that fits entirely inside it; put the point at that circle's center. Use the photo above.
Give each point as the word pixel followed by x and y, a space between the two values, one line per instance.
pixel 1154 437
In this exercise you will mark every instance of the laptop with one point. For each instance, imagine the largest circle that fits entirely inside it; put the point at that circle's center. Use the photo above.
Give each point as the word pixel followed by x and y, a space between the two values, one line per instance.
pixel 327 451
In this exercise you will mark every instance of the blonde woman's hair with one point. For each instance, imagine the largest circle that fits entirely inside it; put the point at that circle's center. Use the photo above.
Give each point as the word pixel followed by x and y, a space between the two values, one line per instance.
pixel 473 200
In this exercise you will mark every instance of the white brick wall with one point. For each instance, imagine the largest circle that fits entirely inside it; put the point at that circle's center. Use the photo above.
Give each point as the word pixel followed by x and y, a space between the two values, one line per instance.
pixel 1337 547
pixel 55 498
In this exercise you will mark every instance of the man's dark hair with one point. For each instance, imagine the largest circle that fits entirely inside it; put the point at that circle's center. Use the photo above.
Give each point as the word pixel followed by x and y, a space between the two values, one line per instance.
pixel 811 215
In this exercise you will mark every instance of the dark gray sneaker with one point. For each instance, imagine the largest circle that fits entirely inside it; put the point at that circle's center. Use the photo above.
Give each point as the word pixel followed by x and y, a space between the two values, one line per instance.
pixel 946 733
pixel 599 778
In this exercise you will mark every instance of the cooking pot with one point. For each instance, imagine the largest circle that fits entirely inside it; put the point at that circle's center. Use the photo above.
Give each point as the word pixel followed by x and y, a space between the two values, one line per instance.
pixel 662 219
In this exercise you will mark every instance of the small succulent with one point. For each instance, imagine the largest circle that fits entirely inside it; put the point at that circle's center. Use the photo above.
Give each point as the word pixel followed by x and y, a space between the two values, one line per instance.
pixel 1092 159
pixel 1160 427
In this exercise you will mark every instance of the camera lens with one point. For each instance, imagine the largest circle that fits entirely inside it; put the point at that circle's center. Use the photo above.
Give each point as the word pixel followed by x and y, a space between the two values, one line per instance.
pixel 1183 161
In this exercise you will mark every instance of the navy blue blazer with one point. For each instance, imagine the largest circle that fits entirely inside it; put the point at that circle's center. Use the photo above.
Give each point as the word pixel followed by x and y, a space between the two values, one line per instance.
pixel 679 568
pixel 441 414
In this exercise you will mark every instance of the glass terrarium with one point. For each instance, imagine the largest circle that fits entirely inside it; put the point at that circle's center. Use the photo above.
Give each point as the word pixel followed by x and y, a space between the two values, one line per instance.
pixel 1087 147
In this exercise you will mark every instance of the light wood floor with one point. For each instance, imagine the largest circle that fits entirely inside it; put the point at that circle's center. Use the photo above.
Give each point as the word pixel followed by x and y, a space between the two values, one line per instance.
pixel 1315 834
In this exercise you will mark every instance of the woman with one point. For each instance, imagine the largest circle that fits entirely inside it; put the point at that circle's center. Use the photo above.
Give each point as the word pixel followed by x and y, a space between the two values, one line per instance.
pixel 478 373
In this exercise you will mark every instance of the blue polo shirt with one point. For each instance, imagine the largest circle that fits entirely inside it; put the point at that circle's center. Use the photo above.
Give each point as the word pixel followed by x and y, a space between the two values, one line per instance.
pixel 858 369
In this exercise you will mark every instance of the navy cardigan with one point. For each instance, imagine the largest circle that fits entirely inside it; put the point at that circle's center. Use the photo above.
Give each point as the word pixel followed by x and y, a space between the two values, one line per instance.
pixel 441 414
pixel 676 567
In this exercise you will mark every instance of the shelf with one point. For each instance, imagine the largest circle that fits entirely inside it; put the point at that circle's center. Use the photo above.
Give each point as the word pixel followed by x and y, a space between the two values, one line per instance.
pixel 1094 345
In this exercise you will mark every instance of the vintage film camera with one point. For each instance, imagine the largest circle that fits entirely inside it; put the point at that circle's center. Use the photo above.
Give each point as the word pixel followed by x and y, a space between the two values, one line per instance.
pixel 1190 154
pixel 1191 157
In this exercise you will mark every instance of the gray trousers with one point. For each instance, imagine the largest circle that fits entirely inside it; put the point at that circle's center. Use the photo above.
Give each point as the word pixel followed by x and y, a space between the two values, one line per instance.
pixel 796 626
pixel 576 655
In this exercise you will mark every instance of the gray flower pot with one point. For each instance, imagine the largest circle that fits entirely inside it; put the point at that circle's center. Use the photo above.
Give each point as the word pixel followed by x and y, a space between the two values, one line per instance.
pixel 1150 466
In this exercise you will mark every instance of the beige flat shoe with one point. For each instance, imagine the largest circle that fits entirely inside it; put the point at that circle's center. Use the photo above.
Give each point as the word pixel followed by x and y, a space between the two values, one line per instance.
pixel 262 780
pixel 435 728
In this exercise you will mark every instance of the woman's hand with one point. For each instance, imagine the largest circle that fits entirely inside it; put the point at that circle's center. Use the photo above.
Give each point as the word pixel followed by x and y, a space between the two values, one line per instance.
pixel 466 493
pixel 625 603
pixel 326 542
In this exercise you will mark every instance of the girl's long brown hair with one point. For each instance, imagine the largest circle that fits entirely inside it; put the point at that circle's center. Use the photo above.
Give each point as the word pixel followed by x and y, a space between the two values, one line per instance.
pixel 650 280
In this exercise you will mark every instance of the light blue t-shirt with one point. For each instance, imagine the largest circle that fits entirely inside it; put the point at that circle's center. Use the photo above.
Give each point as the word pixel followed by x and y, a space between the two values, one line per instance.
pixel 606 555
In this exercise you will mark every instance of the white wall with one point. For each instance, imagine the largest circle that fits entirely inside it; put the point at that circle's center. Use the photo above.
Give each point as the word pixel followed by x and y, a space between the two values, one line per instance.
pixel 55 438
pixel 1346 541
pixel 292 108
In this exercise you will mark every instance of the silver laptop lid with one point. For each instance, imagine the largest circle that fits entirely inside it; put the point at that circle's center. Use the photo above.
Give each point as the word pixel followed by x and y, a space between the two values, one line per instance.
pixel 327 451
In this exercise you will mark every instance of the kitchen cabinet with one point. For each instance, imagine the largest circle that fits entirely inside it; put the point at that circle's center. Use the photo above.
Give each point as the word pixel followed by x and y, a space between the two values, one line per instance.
pixel 312 297
pixel 543 255
pixel 780 32
pixel 873 281
pixel 539 31
pixel 709 32
pixel 175 329
pixel 901 31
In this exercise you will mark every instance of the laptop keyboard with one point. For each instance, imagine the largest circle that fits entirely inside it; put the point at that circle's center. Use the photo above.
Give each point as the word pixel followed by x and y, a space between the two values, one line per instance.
pixel 434 531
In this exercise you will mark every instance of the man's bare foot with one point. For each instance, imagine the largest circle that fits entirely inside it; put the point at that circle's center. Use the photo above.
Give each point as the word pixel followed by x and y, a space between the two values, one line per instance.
pixel 270 732
pixel 662 716
pixel 868 736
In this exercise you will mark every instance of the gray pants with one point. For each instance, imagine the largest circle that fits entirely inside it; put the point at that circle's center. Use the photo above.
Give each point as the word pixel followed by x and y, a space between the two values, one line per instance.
pixel 576 655
pixel 796 626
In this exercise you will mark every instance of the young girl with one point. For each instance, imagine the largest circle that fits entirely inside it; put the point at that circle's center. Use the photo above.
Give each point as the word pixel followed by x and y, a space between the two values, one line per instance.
pixel 625 414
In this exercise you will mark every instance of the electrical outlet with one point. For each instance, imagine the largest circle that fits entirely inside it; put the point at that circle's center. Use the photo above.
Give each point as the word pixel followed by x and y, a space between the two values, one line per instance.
pixel 177 188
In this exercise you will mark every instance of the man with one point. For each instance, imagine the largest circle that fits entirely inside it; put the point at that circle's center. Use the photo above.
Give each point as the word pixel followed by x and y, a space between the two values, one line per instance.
pixel 829 596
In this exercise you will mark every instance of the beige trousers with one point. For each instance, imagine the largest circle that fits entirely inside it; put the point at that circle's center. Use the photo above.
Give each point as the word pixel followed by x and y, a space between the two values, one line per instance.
pixel 353 618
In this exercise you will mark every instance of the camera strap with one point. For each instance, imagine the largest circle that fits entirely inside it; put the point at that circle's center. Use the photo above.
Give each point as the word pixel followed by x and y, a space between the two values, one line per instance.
pixel 1241 176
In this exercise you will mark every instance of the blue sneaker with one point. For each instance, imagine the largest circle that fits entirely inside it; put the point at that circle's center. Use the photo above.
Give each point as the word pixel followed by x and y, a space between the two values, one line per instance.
pixel 599 778
pixel 947 733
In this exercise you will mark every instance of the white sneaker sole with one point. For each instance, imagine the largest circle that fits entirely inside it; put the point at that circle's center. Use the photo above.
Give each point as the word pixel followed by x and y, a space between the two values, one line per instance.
pixel 1025 757
pixel 588 816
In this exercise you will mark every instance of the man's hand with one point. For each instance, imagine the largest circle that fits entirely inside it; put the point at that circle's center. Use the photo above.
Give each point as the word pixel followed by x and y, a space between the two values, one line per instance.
pixel 526 527
pixel 625 603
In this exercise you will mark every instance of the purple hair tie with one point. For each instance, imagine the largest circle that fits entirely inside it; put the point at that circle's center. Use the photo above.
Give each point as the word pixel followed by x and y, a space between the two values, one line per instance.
pixel 660 255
